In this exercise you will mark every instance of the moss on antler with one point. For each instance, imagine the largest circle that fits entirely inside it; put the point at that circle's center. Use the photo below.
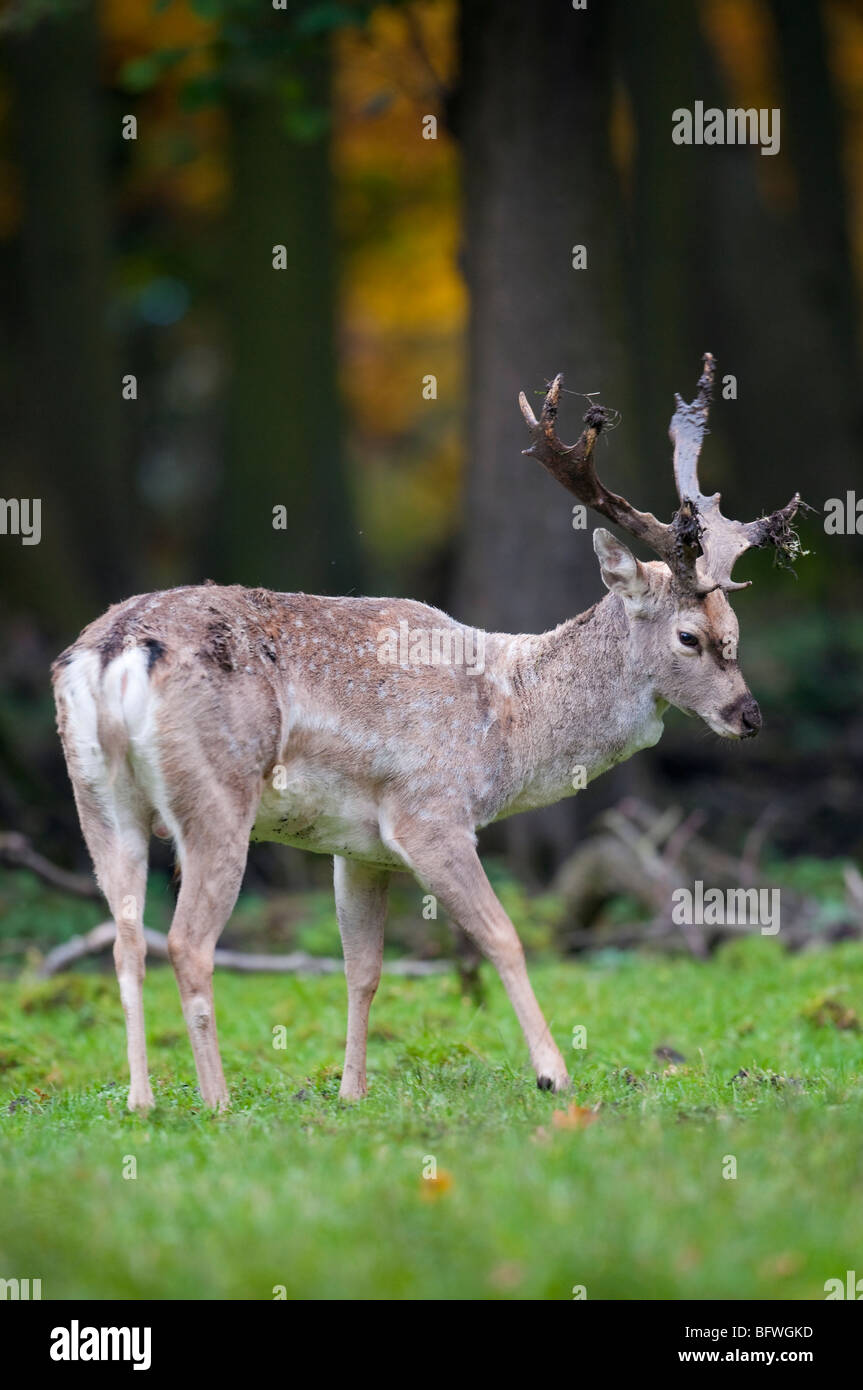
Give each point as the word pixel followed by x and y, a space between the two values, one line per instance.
pixel 781 534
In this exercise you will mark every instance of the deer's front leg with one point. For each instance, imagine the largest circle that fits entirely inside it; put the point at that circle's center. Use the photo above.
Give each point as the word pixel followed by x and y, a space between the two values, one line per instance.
pixel 361 907
pixel 449 865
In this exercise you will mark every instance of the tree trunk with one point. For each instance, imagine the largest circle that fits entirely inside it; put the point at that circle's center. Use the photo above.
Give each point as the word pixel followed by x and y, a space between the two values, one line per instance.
pixel 772 286
pixel 532 191
pixel 70 451
pixel 658 46
pixel 812 126
pixel 284 438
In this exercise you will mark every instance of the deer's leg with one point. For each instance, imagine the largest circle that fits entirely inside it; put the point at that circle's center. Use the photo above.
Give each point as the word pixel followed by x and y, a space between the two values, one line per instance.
pixel 212 871
pixel 119 854
pixel 126 897
pixel 361 907
pixel 451 869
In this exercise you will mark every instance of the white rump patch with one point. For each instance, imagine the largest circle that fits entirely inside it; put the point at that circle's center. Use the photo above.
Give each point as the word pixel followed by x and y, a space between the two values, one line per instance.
pixel 119 698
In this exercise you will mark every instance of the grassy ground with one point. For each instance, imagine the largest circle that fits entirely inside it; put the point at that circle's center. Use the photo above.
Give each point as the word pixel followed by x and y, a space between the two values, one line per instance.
pixel 293 1188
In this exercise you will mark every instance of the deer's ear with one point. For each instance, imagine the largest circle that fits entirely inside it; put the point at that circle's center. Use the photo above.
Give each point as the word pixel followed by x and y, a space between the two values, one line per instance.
pixel 620 570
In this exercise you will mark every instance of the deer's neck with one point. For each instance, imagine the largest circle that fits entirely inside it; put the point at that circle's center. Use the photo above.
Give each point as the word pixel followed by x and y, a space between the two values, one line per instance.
pixel 584 703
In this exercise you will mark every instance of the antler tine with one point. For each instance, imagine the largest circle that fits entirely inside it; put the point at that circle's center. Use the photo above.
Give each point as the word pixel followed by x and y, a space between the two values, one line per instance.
pixel 687 430
pixel 722 540
pixel 573 466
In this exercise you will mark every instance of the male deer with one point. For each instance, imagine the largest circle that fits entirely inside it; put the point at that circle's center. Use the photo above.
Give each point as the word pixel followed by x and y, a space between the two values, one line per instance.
pixel 215 715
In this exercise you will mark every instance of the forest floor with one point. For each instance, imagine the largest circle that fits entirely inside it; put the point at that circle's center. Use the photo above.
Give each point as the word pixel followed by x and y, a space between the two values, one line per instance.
pixel 727 1167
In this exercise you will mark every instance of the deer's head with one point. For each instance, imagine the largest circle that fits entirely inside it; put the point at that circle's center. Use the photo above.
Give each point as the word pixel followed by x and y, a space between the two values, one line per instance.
pixel 682 628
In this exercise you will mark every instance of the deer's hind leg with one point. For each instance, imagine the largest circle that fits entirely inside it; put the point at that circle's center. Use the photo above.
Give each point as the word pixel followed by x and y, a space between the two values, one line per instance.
pixel 361 907
pixel 118 847
pixel 115 819
pixel 213 856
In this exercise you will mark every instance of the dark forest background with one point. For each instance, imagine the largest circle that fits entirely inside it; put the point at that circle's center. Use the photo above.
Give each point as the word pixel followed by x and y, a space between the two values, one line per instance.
pixel 409 257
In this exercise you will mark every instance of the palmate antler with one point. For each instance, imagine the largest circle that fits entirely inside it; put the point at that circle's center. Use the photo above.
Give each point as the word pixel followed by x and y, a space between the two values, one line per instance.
pixel 722 539
pixel 699 545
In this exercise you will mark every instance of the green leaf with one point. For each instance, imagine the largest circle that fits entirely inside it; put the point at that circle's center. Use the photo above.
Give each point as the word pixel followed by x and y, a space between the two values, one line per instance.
pixel 209 9
pixel 306 124
pixel 140 74
pixel 321 18
pixel 205 90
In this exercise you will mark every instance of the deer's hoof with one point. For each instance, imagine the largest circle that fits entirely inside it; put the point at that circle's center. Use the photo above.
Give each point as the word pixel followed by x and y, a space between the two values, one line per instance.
pixel 552 1083
pixel 141 1104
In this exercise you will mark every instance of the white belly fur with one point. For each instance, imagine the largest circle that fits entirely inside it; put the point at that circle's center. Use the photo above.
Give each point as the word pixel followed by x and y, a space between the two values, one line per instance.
pixel 322 812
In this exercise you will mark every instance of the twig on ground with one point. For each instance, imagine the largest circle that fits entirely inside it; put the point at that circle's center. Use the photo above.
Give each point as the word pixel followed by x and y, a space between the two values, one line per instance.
pixel 294 963
pixel 17 851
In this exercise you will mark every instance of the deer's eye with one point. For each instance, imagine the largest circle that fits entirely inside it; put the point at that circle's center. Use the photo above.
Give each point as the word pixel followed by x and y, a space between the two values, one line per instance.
pixel 688 639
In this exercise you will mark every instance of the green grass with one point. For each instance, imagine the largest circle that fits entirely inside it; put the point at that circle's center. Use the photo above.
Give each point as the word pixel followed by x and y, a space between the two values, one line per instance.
pixel 293 1188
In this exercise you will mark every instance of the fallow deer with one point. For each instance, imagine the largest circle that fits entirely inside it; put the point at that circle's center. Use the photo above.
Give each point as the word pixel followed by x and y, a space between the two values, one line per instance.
pixel 215 715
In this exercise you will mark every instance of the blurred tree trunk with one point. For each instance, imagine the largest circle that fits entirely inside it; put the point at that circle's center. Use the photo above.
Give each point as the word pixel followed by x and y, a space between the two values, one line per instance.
pixel 658 47
pixel 719 260
pixel 812 126
pixel 533 190
pixel 70 454
pixel 774 282
pixel 284 434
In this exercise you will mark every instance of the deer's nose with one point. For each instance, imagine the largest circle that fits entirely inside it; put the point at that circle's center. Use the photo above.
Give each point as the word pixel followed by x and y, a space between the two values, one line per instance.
pixel 750 717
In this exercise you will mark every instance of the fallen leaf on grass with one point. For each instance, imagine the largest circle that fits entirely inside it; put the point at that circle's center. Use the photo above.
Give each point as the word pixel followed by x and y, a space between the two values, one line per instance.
pixel 573 1117
pixel 688 1258
pixel 781 1266
pixel 828 1009
pixel 432 1188
pixel 506 1276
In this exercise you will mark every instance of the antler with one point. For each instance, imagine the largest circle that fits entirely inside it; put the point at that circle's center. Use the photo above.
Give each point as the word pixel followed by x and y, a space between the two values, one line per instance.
pixel 700 545
pixel 574 467
pixel 722 539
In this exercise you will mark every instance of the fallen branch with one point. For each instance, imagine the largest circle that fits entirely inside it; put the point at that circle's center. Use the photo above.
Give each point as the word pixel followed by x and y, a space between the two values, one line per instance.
pixel 294 963
pixel 668 938
pixel 16 851
pixel 643 853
